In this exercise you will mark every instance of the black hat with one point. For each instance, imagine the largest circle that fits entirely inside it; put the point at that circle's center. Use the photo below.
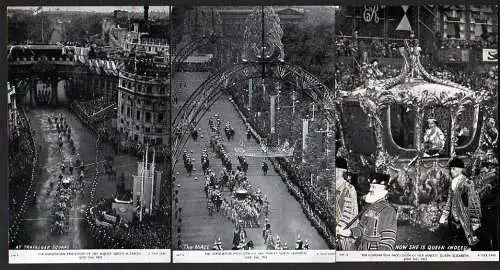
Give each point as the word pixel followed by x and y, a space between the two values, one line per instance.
pixel 379 179
pixel 340 163
pixel 457 163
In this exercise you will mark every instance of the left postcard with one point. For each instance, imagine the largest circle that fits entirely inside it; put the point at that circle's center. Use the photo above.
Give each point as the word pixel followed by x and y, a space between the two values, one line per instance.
pixel 88 115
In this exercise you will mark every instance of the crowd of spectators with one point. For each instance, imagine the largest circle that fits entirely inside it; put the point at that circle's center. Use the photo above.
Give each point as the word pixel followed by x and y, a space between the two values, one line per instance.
pixel 20 156
pixel 489 42
pixel 348 78
pixel 473 80
pixel 374 47
pixel 148 234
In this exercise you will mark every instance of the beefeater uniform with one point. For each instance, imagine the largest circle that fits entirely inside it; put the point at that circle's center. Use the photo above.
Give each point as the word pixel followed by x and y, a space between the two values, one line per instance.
pixel 377 227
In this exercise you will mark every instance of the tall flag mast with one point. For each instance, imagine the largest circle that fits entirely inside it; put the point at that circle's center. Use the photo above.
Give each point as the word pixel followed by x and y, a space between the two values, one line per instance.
pixel 39 10
pixel 152 182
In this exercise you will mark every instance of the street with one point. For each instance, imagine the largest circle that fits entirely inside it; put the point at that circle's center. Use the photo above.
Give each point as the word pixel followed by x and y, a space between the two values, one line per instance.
pixel 38 218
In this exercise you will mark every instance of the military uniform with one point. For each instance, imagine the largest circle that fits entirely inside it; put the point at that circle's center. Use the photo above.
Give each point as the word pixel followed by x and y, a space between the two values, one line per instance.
pixel 346 205
pixel 377 227
pixel 463 208
pixel 346 209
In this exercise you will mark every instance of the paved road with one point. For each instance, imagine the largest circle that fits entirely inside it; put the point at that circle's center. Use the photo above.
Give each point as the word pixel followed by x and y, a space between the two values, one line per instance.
pixel 198 228
pixel 38 217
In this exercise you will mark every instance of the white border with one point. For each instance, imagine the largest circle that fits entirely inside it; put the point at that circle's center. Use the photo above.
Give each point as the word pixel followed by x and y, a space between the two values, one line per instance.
pixel 416 256
pixel 254 256
pixel 89 256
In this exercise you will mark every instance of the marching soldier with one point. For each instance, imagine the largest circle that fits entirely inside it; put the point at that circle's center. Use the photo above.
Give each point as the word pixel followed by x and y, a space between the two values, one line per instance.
pixel 306 244
pixel 239 235
pixel 378 224
pixel 266 230
pixel 463 207
pixel 217 245
pixel 278 243
pixel 299 244
pixel 346 206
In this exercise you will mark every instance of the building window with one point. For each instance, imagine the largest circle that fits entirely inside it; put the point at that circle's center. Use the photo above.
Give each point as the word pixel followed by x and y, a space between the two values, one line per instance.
pixel 146 139
pixel 147 130
pixel 138 115
pixel 121 120
pixel 159 141
pixel 159 130
pixel 136 137
pixel 148 117
pixel 128 111
pixel 149 89
pixel 137 127
pixel 160 117
pixel 123 109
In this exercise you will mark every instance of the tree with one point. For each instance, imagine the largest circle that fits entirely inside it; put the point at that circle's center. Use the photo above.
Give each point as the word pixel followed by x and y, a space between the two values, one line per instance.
pixel 311 47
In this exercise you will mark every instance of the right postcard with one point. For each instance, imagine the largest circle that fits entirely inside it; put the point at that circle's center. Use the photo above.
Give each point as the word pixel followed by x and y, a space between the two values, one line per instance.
pixel 418 180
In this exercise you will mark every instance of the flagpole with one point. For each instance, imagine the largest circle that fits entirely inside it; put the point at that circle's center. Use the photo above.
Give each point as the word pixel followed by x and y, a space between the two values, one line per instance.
pixel 418 22
pixel 41 12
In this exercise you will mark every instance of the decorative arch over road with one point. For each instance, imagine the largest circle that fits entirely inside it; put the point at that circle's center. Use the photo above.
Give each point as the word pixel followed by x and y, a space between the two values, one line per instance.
pixel 217 85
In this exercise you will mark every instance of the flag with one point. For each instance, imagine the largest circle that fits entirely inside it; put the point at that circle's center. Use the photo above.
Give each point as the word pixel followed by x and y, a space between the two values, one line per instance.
pixel 404 24
pixel 37 11
pixel 273 106
pixel 305 131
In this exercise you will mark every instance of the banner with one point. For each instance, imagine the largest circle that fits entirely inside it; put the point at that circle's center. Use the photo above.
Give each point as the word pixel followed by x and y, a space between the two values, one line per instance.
pixel 250 92
pixel 404 24
pixel 273 110
pixel 490 55
pixel 465 55
pixel 305 131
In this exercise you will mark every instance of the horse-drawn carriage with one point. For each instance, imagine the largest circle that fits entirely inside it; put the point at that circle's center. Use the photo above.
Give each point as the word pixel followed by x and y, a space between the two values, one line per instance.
pixel 411 125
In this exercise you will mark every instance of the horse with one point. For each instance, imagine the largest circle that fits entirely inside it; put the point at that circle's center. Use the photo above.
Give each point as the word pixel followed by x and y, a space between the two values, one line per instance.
pixel 265 168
